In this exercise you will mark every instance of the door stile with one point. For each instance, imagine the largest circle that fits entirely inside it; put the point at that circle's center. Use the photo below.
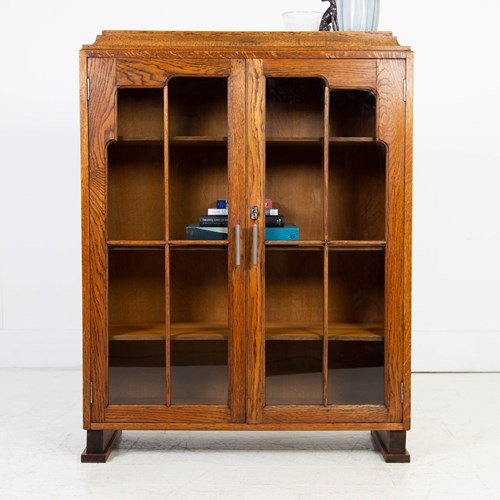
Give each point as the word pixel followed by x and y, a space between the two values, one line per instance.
pixel 102 74
pixel 236 267
pixel 255 154
pixel 391 130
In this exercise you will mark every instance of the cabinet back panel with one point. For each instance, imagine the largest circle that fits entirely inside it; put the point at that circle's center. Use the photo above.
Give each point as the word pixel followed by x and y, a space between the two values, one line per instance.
pixel 197 178
pixel 356 194
pixel 140 114
pixel 135 192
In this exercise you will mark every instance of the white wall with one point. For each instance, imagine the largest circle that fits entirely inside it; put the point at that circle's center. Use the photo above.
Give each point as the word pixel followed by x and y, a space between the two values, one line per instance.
pixel 457 162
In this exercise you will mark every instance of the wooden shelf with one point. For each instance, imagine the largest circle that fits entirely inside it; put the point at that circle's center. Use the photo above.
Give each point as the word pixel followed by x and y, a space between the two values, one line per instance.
pixel 178 331
pixel 336 331
pixel 198 139
pixel 294 141
pixel 358 244
pixel 356 331
pixel 199 331
pixel 136 243
pixel 350 140
pixel 143 331
pixel 198 243
pixel 140 140
pixel 293 244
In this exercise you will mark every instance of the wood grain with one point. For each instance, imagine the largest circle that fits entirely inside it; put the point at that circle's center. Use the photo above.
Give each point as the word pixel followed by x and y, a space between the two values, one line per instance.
pixel 102 74
pixel 407 280
pixel 86 279
pixel 338 74
pixel 391 130
pixel 255 154
pixel 212 142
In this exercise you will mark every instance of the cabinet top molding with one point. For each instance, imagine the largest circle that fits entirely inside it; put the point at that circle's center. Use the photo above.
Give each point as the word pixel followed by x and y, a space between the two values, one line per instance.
pixel 247 41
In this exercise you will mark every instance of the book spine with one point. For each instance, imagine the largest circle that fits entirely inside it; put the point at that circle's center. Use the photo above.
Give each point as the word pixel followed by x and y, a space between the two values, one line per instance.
pixel 218 211
pixel 275 221
pixel 194 232
pixel 222 204
pixel 268 204
pixel 271 211
pixel 213 221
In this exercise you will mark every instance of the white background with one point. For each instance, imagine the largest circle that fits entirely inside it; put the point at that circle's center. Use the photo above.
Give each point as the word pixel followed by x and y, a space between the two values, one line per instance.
pixel 456 297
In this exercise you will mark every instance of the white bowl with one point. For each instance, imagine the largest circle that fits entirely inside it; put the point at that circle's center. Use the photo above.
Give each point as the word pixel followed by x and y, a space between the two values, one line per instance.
pixel 302 20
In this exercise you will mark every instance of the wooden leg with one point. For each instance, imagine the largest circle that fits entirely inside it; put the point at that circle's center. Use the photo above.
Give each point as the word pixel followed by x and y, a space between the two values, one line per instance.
pixel 392 445
pixel 99 445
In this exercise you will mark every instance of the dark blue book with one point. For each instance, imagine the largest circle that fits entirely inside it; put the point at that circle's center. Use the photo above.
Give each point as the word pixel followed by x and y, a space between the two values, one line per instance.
pixel 275 221
pixel 221 204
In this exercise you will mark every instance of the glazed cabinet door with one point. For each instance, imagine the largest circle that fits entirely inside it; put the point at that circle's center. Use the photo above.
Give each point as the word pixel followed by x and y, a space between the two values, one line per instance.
pixel 326 151
pixel 167 315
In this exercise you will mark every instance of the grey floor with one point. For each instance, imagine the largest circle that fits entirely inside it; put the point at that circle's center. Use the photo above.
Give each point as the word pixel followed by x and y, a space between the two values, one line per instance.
pixel 454 444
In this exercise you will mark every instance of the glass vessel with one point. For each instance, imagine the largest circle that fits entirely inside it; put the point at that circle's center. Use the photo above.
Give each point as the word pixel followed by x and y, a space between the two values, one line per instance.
pixel 358 15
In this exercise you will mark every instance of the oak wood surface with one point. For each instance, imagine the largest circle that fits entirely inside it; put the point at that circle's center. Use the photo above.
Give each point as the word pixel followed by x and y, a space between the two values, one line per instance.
pixel 247 151
pixel 101 117
pixel 391 130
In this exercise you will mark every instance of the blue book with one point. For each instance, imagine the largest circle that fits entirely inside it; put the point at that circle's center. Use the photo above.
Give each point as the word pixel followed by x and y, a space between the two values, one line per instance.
pixel 289 232
pixel 221 204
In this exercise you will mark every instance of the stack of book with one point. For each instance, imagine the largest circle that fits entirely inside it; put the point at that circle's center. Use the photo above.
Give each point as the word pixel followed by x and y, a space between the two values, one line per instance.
pixel 213 226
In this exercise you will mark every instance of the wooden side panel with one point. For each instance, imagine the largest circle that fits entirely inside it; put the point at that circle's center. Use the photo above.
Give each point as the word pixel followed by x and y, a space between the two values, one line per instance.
pixel 339 74
pixel 408 243
pixel 255 282
pixel 155 72
pixel 236 273
pixel 84 141
pixel 391 130
pixel 102 73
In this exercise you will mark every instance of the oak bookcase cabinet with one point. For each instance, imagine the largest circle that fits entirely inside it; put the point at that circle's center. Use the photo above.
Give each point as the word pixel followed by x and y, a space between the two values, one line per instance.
pixel 247 332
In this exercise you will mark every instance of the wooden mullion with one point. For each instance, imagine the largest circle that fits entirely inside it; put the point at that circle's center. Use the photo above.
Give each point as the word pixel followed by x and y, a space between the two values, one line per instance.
pixel 326 121
pixel 167 246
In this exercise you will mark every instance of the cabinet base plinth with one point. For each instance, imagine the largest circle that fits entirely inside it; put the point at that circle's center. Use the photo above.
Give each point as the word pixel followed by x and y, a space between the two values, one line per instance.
pixel 392 445
pixel 99 445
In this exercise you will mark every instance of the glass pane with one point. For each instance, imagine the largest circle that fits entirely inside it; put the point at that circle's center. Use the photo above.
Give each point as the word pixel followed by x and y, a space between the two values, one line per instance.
pixel 294 326
pixel 294 108
pixel 294 184
pixel 356 327
pixel 199 326
pixel 357 192
pixel 137 326
pixel 294 158
pixel 198 157
pixel 136 191
pixel 352 113
pixel 140 114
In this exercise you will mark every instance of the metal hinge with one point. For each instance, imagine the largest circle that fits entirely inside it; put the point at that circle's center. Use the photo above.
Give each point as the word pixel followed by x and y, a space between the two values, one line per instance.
pixel 88 88
pixel 402 392
pixel 91 392
pixel 404 90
